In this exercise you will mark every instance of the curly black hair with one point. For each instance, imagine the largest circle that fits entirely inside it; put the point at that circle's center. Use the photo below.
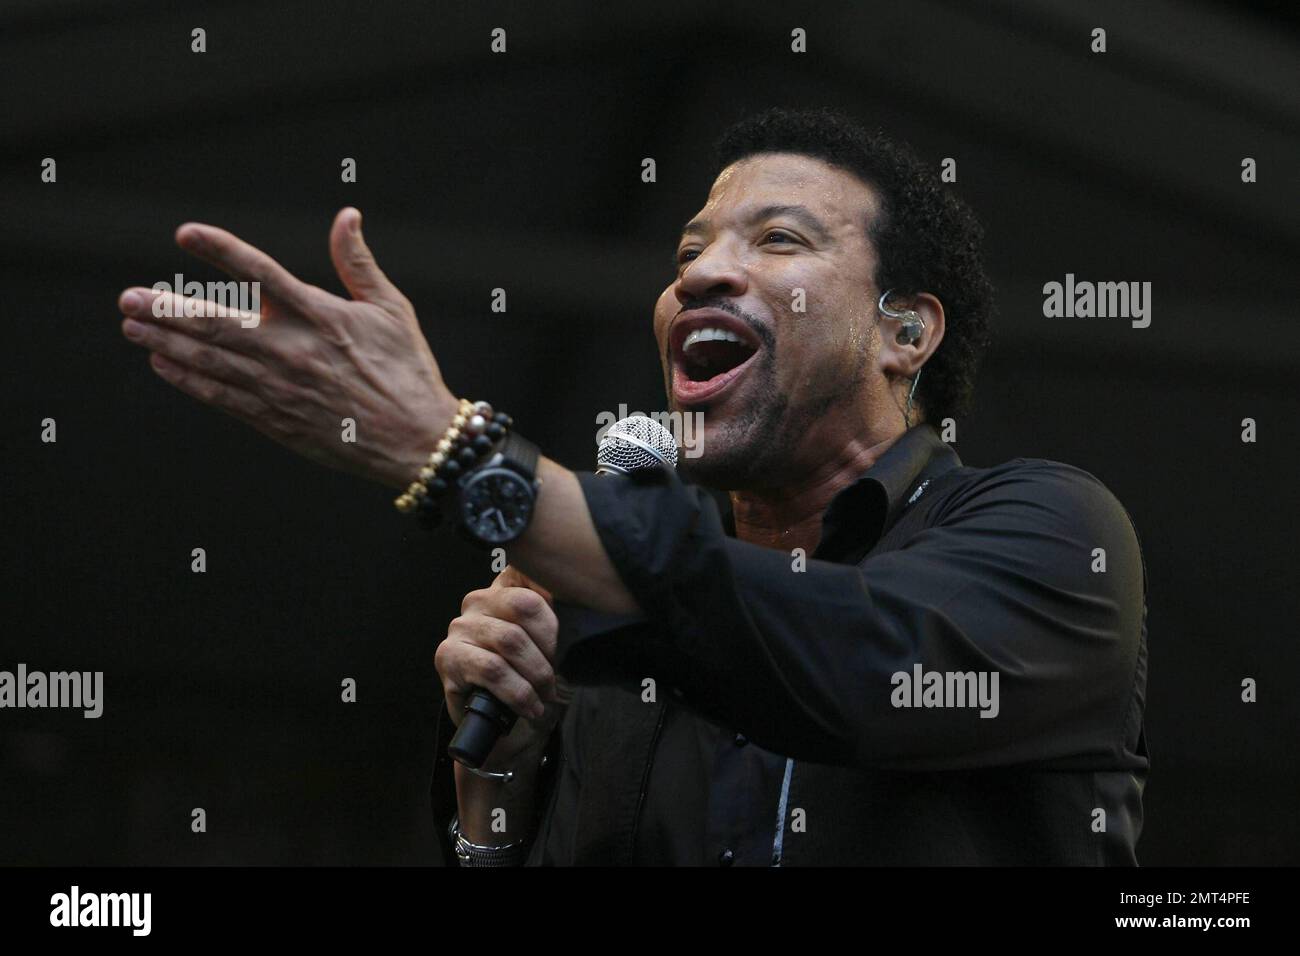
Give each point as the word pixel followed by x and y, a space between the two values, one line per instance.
pixel 926 239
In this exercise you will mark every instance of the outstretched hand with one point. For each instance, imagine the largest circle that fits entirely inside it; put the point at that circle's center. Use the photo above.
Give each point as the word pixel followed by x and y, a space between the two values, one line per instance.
pixel 306 360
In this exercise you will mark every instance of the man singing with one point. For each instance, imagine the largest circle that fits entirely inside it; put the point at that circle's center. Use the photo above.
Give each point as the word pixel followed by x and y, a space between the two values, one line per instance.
pixel 880 656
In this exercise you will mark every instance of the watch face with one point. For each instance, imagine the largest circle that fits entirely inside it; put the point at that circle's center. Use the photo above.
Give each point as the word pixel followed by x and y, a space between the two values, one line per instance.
pixel 496 505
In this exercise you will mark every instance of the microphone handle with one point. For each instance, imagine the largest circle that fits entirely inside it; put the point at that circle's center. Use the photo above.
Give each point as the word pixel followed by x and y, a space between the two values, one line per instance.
pixel 486 720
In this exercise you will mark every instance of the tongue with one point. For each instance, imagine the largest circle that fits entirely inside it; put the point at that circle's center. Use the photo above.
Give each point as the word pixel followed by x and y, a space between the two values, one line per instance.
pixel 706 360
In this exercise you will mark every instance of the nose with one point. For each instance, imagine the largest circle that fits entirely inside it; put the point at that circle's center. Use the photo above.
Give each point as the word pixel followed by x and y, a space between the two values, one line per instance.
pixel 715 271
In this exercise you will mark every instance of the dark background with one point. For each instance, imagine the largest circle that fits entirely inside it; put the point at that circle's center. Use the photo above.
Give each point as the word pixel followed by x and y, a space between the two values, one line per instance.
pixel 523 171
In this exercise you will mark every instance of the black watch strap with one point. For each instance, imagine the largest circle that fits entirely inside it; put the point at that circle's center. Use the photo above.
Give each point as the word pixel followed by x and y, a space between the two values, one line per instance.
pixel 521 453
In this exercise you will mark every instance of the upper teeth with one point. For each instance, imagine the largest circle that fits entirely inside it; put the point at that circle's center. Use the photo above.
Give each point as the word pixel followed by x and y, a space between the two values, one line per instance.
pixel 710 333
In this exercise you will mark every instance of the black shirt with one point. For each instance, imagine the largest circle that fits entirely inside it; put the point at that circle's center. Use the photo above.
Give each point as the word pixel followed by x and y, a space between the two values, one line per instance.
pixel 754 714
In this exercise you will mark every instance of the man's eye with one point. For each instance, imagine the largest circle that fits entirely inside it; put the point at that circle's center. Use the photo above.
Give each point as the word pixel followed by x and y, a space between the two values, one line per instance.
pixel 688 255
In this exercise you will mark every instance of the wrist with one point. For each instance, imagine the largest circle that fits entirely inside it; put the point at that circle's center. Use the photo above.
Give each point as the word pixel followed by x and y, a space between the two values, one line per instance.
pixel 522 766
pixel 471 436
pixel 429 430
pixel 478 798
pixel 494 853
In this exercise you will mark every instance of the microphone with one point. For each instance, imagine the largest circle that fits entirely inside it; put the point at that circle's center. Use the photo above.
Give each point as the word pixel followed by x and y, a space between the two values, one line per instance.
pixel 635 443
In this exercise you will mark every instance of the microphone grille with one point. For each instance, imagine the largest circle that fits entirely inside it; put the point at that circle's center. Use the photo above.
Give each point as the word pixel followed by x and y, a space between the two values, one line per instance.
pixel 636 443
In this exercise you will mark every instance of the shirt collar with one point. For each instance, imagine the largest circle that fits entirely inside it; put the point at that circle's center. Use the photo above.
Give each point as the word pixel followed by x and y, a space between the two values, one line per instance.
pixel 917 456
pixel 864 510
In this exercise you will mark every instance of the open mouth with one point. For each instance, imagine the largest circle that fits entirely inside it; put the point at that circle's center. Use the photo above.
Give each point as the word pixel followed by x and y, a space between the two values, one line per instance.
pixel 710 349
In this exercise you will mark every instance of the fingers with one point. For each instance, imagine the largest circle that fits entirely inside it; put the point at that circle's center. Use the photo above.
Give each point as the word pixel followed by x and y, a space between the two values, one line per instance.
pixel 210 360
pixel 216 322
pixel 512 644
pixel 512 577
pixel 504 642
pixel 209 390
pixel 237 258
pixel 356 265
pixel 521 606
pixel 463 665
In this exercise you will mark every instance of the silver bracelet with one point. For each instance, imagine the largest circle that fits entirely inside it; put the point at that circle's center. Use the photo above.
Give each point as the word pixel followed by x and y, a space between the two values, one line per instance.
pixel 489 775
pixel 505 777
pixel 473 854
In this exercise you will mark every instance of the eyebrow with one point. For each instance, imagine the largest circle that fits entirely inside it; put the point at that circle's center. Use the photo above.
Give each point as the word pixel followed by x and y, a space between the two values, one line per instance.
pixel 801 213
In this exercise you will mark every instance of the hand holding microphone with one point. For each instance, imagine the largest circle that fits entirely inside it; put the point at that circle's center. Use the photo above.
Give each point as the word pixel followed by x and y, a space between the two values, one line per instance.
pixel 506 640
pixel 502 646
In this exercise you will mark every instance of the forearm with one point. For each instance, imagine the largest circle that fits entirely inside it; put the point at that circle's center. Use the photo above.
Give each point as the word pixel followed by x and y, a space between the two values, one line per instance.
pixel 562 551
pixel 493 813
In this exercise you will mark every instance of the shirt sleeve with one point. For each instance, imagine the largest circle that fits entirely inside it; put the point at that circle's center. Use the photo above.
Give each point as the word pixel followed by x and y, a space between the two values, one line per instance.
pixel 1005 581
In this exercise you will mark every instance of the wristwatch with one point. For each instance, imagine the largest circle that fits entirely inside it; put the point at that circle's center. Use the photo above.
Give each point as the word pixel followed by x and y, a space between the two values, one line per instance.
pixel 496 498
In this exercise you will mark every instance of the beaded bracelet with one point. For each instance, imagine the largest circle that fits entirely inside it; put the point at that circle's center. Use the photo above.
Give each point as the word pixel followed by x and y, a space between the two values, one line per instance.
pixel 472 434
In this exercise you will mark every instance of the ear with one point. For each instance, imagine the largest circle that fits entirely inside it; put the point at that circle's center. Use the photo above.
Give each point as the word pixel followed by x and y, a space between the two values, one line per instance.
pixel 904 361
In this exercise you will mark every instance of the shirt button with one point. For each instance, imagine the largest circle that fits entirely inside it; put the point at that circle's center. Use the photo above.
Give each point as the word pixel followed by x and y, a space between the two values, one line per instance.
pixel 740 740
pixel 726 858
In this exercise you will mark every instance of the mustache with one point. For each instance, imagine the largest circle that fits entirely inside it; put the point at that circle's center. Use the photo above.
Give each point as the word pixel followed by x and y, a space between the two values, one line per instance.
pixel 762 331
